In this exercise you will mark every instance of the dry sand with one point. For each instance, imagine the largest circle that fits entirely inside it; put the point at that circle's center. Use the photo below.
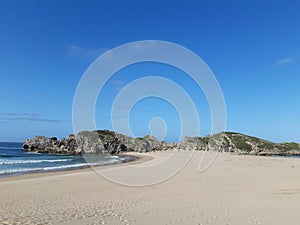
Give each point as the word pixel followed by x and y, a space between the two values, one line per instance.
pixel 237 190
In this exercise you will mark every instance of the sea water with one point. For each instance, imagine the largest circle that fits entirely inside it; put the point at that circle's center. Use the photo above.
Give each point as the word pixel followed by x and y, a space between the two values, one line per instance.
pixel 14 161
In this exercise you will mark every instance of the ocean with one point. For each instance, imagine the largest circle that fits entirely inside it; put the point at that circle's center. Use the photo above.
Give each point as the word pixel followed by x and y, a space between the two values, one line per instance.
pixel 13 161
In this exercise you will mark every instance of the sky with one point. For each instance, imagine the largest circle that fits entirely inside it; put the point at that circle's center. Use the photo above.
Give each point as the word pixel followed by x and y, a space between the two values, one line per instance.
pixel 252 47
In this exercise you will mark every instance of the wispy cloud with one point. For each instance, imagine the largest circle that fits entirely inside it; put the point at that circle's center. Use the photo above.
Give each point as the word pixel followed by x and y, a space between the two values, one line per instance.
pixel 34 117
pixel 14 101
pixel 85 53
pixel 285 60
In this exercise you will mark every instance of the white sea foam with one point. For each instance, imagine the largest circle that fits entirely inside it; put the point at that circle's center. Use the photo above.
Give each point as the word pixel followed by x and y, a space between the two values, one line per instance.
pixel 80 165
pixel 32 153
pixel 55 168
pixel 11 162
pixel 19 170
pixel 41 169
pixel 10 147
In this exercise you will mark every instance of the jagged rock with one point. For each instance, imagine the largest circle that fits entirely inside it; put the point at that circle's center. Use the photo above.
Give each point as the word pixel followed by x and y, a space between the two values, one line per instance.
pixel 145 144
pixel 91 142
pixel 191 144
pixel 43 144
pixel 167 146
pixel 38 143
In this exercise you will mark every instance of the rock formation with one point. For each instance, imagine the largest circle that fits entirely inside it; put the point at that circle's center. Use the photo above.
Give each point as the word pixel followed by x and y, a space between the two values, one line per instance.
pixel 104 141
pixel 91 142
pixel 43 144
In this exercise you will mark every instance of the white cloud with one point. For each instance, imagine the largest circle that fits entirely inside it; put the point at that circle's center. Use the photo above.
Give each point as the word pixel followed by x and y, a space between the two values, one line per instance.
pixel 85 53
pixel 36 117
pixel 285 60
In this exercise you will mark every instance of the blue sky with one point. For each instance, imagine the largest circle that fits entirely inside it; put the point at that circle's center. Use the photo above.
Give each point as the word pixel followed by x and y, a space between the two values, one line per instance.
pixel 252 47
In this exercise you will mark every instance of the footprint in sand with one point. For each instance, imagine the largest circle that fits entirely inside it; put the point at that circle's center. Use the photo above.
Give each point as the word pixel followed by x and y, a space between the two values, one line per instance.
pixel 254 218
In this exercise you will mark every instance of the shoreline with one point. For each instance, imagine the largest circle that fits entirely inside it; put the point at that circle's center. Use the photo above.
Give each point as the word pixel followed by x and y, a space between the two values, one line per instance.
pixel 136 158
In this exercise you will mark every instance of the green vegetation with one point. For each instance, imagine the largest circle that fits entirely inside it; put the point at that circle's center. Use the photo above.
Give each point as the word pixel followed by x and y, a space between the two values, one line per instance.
pixel 105 133
pixel 204 140
pixel 254 139
pixel 230 132
pixel 288 146
pixel 241 144
pixel 240 141
pixel 266 145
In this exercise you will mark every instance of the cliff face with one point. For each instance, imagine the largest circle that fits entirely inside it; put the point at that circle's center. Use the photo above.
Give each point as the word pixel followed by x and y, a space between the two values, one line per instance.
pixel 104 141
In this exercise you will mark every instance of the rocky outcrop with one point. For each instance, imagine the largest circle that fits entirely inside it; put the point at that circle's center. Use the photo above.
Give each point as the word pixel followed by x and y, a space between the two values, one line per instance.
pixel 104 141
pixel 145 144
pixel 43 144
pixel 91 142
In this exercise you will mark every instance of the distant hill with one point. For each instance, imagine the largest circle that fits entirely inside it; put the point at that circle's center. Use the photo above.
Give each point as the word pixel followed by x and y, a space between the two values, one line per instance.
pixel 245 144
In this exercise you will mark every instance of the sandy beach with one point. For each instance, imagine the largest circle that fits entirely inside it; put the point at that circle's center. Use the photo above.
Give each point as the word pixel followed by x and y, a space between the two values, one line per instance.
pixel 235 190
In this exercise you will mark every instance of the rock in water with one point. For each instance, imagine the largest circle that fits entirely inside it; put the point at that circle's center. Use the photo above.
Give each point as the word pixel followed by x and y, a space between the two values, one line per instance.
pixel 43 144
